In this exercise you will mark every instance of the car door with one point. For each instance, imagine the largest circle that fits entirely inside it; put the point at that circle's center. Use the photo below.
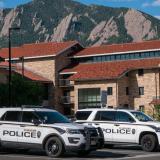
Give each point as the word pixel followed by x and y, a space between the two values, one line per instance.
pixel 10 125
pixel 124 129
pixel 105 120
pixel 32 133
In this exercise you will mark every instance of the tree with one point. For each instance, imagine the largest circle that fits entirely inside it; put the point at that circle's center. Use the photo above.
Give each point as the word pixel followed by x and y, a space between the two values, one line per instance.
pixel 157 112
pixel 24 92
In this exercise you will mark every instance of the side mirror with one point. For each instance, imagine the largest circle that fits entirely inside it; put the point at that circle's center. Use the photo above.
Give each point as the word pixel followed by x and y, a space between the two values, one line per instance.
pixel 131 120
pixel 36 122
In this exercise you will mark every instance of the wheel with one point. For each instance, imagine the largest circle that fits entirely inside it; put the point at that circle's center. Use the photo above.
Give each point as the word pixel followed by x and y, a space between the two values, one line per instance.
pixel 148 142
pixel 83 153
pixel 54 147
pixel 110 146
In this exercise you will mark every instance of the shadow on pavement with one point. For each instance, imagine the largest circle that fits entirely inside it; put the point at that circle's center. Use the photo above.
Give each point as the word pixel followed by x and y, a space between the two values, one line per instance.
pixel 96 154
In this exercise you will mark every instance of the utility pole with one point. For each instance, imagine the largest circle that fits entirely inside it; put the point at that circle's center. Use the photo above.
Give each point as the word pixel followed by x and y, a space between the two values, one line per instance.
pixel 10 65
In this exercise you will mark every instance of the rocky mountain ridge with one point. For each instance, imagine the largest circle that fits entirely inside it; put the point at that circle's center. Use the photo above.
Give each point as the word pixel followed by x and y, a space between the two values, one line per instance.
pixel 62 20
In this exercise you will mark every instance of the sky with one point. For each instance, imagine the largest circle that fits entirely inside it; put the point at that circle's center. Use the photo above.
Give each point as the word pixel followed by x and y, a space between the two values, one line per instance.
pixel 149 6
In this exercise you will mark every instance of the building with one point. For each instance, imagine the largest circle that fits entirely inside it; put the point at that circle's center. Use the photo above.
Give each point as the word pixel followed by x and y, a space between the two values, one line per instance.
pixel 130 73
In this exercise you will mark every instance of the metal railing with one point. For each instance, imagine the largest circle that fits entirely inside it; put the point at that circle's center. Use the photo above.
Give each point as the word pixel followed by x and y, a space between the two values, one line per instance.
pixel 158 97
pixel 65 83
pixel 67 99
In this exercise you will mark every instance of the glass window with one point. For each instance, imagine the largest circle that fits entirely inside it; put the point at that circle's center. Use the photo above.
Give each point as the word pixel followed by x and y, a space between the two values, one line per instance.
pixel 52 117
pixel 99 58
pixel 105 116
pixel 89 98
pixel 110 107
pixel 141 90
pixel 109 91
pixel 140 72
pixel 113 58
pixel 123 117
pixel 28 117
pixel 141 116
pixel 123 57
pixel 13 116
pixel 137 55
pixel 118 57
pixel 127 90
pixel 141 108
pixel 103 58
pixel 157 54
pixel 83 115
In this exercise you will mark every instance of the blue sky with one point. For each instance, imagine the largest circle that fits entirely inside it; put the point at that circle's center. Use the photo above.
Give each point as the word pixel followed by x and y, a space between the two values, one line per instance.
pixel 149 6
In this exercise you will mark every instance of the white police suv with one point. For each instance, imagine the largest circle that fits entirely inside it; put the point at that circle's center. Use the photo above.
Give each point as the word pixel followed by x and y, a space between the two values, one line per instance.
pixel 123 126
pixel 29 128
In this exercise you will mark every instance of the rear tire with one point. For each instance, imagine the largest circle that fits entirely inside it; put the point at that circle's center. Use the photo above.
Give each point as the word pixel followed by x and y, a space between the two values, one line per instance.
pixel 54 147
pixel 149 142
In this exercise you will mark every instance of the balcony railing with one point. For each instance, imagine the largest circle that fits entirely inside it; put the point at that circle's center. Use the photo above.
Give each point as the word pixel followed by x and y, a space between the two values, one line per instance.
pixel 158 97
pixel 67 99
pixel 65 83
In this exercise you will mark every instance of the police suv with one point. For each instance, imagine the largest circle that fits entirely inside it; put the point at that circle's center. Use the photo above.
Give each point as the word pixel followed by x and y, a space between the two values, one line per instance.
pixel 123 126
pixel 41 128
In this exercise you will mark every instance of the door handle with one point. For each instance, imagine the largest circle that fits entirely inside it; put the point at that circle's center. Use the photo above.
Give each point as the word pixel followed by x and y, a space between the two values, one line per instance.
pixel 22 125
pixel 96 124
pixel 116 125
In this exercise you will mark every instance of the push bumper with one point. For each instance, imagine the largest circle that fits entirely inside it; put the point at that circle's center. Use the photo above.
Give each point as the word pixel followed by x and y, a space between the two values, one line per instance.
pixel 92 142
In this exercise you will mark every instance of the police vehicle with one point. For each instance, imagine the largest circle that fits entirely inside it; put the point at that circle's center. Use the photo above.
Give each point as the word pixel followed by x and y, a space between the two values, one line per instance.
pixel 123 126
pixel 41 128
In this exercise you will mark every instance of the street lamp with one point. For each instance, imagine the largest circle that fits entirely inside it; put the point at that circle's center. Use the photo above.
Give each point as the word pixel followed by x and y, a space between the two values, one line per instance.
pixel 10 67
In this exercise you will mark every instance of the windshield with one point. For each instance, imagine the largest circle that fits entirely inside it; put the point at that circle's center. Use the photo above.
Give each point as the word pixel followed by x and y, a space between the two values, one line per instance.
pixel 52 117
pixel 142 117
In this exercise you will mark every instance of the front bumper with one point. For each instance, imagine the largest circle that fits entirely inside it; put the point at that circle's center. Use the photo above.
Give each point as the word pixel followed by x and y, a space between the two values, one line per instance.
pixel 92 142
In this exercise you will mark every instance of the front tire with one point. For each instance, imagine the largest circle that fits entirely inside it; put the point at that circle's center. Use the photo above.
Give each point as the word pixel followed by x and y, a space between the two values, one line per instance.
pixel 149 142
pixel 54 147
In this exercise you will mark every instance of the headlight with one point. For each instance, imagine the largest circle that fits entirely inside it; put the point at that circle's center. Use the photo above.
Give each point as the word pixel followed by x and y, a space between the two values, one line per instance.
pixel 73 131
pixel 158 129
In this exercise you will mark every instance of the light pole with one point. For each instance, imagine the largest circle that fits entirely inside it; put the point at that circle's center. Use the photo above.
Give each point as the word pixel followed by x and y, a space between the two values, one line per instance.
pixel 10 67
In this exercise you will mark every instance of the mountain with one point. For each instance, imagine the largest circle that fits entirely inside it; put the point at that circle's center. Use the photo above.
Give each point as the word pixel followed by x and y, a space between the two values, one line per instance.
pixel 62 20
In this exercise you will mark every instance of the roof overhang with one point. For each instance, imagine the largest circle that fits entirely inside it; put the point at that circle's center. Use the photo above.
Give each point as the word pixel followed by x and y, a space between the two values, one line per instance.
pixel 115 53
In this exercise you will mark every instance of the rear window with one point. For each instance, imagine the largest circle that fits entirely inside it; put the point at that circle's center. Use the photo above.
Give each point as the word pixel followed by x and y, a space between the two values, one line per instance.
pixel 13 116
pixel 83 115
pixel 105 116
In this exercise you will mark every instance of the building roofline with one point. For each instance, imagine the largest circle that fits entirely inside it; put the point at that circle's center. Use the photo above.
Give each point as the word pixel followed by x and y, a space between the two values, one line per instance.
pixel 114 78
pixel 115 53
pixel 44 56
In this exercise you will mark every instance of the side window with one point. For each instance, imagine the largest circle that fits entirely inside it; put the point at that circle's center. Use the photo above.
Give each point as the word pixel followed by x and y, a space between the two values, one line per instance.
pixel 123 117
pixel 83 115
pixel 28 117
pixel 105 116
pixel 13 116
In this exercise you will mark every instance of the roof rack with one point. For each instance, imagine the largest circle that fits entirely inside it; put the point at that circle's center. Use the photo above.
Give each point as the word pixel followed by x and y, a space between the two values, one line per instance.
pixel 34 106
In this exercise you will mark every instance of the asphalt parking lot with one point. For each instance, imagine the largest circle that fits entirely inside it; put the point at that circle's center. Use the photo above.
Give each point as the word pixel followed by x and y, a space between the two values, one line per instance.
pixel 119 153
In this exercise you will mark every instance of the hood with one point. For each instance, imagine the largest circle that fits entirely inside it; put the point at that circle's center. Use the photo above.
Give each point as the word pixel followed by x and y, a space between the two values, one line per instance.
pixel 70 126
pixel 152 123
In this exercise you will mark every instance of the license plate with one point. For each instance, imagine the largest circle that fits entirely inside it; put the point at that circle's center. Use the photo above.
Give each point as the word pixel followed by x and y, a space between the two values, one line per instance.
pixel 93 142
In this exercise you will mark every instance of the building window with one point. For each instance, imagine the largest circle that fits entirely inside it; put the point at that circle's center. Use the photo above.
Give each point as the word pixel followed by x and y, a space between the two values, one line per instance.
pixel 140 72
pixel 141 90
pixel 110 107
pixel 127 90
pixel 127 74
pixel 126 106
pixel 141 108
pixel 109 91
pixel 89 98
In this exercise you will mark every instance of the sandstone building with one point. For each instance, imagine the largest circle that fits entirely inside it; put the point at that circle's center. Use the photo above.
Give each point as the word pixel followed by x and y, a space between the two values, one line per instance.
pixel 130 73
